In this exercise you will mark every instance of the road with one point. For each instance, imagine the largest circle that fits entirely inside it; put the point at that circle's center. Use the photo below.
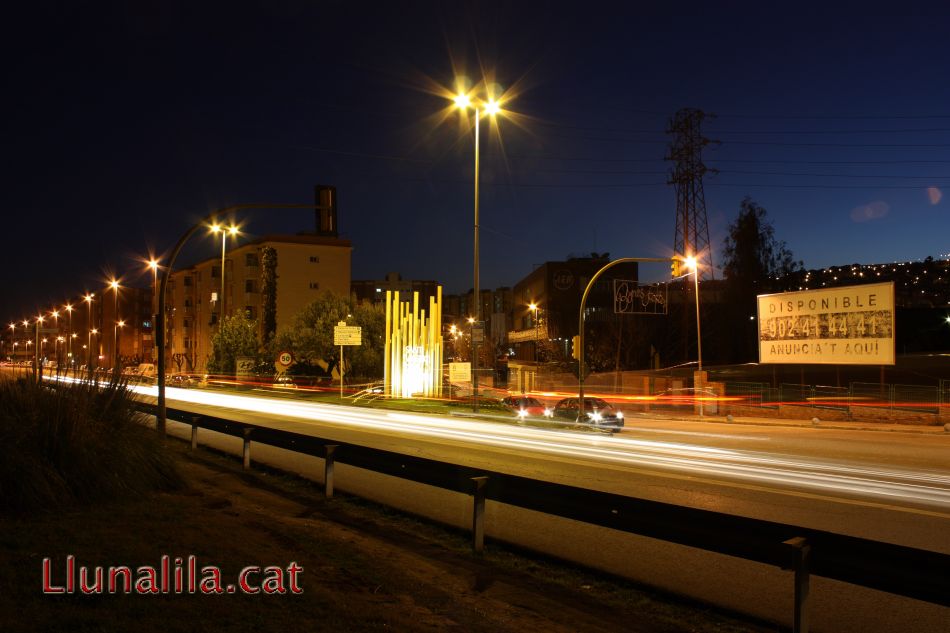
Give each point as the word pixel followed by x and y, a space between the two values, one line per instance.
pixel 888 486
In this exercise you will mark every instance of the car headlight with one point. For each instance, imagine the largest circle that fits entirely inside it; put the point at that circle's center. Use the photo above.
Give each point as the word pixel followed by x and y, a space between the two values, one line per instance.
pixel 522 413
pixel 596 417
pixel 619 415
pixel 548 413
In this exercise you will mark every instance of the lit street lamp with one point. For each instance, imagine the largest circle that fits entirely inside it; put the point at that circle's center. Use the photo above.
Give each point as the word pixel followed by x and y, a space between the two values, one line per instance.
pixel 537 329
pixel 69 342
pixel 88 300
pixel 491 108
pixel 13 339
pixel 114 285
pixel 224 231
pixel 153 265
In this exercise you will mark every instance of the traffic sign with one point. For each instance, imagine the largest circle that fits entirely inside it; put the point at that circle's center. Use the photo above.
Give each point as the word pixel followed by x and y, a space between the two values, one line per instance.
pixel 460 372
pixel 347 334
pixel 285 358
pixel 478 332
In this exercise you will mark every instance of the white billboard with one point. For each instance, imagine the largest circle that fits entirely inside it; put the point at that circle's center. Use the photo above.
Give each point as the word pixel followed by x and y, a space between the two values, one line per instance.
pixel 848 325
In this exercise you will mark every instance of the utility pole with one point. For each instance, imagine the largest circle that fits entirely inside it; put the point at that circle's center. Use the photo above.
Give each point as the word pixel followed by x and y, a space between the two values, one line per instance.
pixel 692 231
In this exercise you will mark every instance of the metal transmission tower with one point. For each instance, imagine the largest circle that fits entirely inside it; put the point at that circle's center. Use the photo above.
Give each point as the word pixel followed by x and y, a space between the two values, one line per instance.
pixel 692 232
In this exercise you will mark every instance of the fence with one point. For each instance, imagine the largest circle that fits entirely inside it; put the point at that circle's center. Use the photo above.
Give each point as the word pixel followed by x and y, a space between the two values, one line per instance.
pixel 905 571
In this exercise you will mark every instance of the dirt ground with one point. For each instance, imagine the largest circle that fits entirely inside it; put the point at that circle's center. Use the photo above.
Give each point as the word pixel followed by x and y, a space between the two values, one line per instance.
pixel 364 568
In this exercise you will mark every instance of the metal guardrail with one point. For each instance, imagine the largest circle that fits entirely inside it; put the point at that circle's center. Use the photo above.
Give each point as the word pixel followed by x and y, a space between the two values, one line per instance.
pixel 896 569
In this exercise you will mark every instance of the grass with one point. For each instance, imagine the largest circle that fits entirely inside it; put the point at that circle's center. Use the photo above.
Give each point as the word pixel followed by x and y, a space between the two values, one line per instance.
pixel 74 445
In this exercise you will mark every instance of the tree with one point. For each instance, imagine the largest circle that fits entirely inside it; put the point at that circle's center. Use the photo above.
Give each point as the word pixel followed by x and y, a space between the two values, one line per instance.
pixel 753 256
pixel 236 337
pixel 268 293
pixel 311 337
pixel 755 262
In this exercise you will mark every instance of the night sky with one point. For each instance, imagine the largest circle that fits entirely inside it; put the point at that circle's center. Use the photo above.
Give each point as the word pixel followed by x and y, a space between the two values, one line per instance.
pixel 125 122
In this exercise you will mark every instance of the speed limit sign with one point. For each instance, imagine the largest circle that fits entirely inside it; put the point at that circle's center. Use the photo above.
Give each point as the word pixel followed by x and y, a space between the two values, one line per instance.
pixel 285 358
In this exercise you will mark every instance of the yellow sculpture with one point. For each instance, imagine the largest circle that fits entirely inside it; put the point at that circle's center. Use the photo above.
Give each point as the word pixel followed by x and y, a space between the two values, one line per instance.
pixel 413 354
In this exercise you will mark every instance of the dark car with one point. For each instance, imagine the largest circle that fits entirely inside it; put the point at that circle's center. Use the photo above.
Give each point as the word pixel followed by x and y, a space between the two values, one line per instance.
pixel 598 413
pixel 523 406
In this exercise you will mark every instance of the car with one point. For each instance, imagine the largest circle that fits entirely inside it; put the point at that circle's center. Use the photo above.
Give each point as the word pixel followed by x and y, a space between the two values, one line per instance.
pixel 598 413
pixel 524 406
pixel 284 381
pixel 182 380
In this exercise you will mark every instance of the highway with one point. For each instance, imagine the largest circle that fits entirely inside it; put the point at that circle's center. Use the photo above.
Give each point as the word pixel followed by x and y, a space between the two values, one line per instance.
pixel 888 486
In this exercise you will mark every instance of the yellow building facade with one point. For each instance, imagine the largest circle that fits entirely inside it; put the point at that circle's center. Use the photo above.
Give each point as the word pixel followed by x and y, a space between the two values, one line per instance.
pixel 306 266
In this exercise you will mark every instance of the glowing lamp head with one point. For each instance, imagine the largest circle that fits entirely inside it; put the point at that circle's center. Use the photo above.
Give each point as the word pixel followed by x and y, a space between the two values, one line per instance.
pixel 114 284
pixel 462 101
pixel 492 108
pixel 690 262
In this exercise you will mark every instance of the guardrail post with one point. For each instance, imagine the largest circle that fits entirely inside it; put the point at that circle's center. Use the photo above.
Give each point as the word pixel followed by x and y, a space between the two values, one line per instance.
pixel 801 557
pixel 194 432
pixel 328 470
pixel 478 514
pixel 247 448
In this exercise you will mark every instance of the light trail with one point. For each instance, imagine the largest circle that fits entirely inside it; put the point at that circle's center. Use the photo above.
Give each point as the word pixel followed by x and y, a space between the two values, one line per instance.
pixel 893 485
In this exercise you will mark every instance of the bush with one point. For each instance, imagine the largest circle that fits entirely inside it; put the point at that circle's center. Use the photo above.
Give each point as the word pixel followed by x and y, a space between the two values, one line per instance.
pixel 75 444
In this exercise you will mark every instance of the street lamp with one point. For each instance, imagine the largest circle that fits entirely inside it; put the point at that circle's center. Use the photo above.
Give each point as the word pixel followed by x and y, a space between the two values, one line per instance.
pixel 692 264
pixel 88 300
pixel 224 231
pixel 55 315
pixel 13 339
pixel 114 285
pixel 69 342
pixel 492 108
pixel 153 264
pixel 537 329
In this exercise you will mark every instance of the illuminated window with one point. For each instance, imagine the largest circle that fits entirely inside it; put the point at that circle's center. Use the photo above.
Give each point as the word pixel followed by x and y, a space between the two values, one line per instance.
pixel 314 259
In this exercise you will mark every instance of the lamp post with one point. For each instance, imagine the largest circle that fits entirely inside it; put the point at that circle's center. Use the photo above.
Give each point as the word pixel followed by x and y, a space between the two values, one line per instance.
pixel 55 315
pixel 89 348
pixel 114 285
pixel 153 264
pixel 88 300
pixel 537 329
pixel 224 231
pixel 13 340
pixel 69 341
pixel 491 108
pixel 37 359
pixel 693 265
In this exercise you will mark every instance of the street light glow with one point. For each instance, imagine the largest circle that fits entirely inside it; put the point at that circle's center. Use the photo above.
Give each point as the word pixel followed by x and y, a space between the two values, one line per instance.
pixel 462 101
pixel 492 108
pixel 690 262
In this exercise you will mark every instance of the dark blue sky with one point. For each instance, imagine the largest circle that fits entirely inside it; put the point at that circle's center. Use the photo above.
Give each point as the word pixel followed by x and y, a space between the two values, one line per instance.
pixel 125 122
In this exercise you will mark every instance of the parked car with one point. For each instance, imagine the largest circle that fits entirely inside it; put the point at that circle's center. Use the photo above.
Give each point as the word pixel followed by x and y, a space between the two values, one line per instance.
pixel 524 406
pixel 597 413
pixel 182 380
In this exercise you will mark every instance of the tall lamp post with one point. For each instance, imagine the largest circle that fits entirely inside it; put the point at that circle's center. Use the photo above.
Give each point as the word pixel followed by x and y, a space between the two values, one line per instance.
pixel 13 340
pixel 114 285
pixel 153 265
pixel 224 231
pixel 491 108
pixel 55 315
pixel 69 340
pixel 88 300
pixel 693 265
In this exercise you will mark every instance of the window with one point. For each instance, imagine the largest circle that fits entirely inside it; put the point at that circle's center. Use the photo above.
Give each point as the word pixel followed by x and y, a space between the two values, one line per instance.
pixel 186 323
pixel 250 312
pixel 216 272
pixel 314 259
pixel 188 302
pixel 249 285
pixel 250 259
pixel 188 281
pixel 314 285
pixel 187 343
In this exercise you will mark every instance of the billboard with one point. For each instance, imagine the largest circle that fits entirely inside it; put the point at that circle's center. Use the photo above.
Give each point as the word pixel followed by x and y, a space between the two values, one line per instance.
pixel 848 325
